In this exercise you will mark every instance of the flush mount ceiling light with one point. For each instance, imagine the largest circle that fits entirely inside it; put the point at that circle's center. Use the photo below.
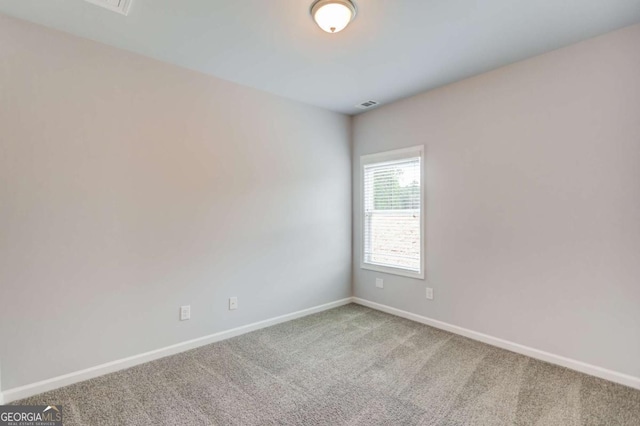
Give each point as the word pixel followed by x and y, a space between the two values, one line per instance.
pixel 333 15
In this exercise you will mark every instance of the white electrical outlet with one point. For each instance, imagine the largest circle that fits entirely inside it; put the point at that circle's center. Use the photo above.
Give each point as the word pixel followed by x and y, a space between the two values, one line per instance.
pixel 429 293
pixel 379 283
pixel 185 312
pixel 233 303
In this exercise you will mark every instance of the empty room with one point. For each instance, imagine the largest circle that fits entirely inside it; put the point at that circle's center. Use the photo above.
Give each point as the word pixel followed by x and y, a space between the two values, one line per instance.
pixel 319 212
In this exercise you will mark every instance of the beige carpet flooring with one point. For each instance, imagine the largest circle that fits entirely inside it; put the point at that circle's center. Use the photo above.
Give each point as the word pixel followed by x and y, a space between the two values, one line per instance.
pixel 347 366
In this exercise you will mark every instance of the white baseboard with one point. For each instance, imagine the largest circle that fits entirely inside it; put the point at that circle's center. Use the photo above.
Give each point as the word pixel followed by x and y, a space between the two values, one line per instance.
pixel 26 391
pixel 67 379
pixel 603 373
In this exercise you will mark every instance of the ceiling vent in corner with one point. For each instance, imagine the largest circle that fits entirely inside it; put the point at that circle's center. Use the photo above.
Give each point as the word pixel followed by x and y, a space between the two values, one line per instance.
pixel 367 104
pixel 120 6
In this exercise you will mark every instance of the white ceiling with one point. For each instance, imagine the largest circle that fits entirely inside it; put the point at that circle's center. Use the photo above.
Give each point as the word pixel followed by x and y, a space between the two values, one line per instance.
pixel 393 49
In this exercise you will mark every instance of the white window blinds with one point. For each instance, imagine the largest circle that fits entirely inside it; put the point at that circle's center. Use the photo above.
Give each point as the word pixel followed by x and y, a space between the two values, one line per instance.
pixel 392 212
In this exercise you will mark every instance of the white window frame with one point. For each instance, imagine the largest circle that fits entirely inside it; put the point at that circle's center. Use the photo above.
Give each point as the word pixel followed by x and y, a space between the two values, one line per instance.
pixel 380 157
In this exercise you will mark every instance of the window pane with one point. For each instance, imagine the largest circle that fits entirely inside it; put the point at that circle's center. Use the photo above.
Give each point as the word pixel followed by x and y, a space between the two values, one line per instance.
pixel 392 214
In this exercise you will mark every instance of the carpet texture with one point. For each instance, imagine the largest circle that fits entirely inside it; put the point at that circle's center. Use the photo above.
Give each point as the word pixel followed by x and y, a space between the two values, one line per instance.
pixel 347 366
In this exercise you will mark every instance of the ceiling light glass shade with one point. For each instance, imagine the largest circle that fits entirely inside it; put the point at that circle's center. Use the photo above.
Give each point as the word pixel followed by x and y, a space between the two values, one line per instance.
pixel 333 15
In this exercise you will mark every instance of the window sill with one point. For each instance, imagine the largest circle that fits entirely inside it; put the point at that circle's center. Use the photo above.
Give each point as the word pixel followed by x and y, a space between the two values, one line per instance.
pixel 393 271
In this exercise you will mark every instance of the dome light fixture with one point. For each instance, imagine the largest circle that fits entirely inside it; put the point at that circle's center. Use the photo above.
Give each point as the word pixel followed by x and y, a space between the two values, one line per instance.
pixel 333 15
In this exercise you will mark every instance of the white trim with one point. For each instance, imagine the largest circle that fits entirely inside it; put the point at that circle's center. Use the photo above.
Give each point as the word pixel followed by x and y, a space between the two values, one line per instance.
pixel 122 8
pixel 380 157
pixel 396 154
pixel 46 385
pixel 109 367
pixel 603 373
pixel 391 270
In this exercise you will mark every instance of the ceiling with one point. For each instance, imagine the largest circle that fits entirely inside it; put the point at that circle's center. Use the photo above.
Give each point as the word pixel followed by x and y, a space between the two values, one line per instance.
pixel 393 49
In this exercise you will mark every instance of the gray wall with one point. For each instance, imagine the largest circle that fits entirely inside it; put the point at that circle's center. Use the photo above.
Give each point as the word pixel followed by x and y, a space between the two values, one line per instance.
pixel 130 187
pixel 532 201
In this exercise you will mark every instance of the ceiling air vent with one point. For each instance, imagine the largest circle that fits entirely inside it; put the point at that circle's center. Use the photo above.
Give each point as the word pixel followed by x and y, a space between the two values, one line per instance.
pixel 120 6
pixel 367 104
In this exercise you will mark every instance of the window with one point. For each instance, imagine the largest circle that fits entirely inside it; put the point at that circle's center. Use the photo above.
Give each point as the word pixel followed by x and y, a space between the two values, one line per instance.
pixel 392 193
